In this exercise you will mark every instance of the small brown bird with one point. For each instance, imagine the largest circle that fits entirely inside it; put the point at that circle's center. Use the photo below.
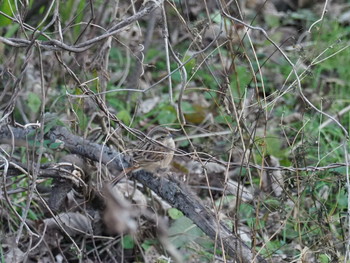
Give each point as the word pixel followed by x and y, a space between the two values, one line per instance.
pixel 155 152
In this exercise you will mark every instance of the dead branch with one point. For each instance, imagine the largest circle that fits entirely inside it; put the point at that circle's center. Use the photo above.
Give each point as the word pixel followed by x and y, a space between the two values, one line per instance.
pixel 170 190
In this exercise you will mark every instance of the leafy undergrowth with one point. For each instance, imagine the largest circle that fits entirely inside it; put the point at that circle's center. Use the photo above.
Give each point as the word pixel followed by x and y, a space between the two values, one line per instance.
pixel 262 129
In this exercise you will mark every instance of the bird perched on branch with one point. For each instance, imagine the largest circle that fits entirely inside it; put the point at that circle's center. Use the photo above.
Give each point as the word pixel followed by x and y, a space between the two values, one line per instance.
pixel 154 153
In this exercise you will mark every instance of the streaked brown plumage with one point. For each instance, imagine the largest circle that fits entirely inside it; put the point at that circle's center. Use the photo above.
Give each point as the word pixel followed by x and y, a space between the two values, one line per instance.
pixel 155 152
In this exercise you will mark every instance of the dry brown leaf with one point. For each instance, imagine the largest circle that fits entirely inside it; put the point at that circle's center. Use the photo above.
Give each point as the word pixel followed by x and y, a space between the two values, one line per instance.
pixel 73 223
pixel 148 104
pixel 306 255
pixel 244 193
pixel 151 255
pixel 14 255
pixel 215 167
pixel 129 191
pixel 120 214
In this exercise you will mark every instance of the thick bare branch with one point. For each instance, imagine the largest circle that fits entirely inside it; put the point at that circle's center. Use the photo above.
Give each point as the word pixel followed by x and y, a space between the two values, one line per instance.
pixel 171 191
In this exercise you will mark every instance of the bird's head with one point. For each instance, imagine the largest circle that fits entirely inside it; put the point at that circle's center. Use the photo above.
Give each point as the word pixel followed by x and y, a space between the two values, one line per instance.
pixel 162 135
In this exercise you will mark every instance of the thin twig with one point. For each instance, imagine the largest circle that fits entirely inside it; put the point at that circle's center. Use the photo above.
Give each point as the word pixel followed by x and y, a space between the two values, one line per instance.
pixel 57 45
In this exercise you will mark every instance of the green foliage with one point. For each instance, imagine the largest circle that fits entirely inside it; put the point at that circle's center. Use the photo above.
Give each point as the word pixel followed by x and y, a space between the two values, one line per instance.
pixel 6 7
pixel 190 65
pixel 51 121
pixel 128 242
pixel 324 258
pixel 272 21
pixel 289 232
pixel 207 80
pixel 80 15
pixel 33 215
pixel 342 199
pixel 2 254
pixel 187 107
pixel 117 102
pixel 182 232
pixel 239 81
pixel 273 246
pixel 74 9
pixel 332 37
pixel 124 116
pixel 274 146
pixel 164 114
pixel 11 31
pixel 246 212
pixel 186 236
pixel 148 243
pixel 34 102
pixel 55 145
pixel 223 119
pixel 174 213
pixel 272 204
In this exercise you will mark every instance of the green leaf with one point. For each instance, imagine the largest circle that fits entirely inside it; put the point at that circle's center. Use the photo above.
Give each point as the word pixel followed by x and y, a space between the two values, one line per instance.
pixel 148 243
pixel 44 160
pixel 176 76
pixel 184 144
pixel 166 115
pixel 5 7
pixel 247 211
pixel 272 203
pixel 342 199
pixel 187 107
pixel 217 18
pixel 272 21
pixel 34 102
pixel 124 116
pixel 174 213
pixel 223 119
pixel 239 81
pixel 273 245
pixel 55 145
pixel 11 30
pixel 66 10
pixel 183 231
pixel 274 146
pixel 128 242
pixel 79 17
pixel 32 215
pixel 190 65
pixel 49 125
pixel 323 258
